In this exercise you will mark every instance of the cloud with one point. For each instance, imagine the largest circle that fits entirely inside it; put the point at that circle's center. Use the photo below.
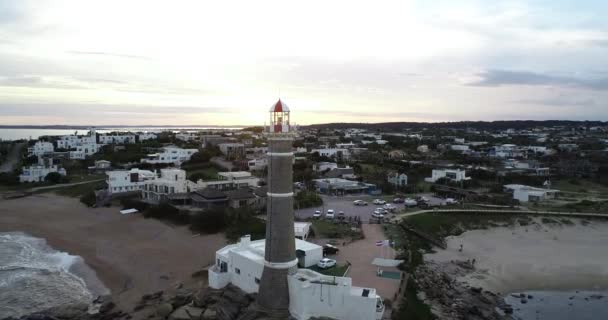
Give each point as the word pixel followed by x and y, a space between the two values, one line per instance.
pixel 37 82
pixel 599 42
pixel 560 101
pixel 46 109
pixel 497 78
pixel 110 54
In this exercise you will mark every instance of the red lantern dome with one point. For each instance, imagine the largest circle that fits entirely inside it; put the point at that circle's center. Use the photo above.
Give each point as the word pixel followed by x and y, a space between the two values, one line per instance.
pixel 279 118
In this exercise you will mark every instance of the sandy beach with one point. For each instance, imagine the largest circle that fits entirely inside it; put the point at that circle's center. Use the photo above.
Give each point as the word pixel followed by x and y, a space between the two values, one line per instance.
pixel 131 255
pixel 533 257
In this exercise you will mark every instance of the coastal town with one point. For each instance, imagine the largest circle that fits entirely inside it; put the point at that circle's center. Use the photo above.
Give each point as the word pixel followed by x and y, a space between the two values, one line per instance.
pixel 368 202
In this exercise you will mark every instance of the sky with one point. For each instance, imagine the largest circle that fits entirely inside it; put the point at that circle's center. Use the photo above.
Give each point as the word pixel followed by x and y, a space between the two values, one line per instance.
pixel 132 62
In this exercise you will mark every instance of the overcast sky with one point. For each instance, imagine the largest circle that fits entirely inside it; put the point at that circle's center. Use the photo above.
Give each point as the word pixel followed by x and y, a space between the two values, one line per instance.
pixel 225 62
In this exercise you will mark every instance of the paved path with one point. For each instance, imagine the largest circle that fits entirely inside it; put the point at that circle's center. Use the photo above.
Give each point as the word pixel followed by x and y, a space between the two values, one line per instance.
pixel 12 158
pixel 65 185
pixel 400 216
pixel 361 253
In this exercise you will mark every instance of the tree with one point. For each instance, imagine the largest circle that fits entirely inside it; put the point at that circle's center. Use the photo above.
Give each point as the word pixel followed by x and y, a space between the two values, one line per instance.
pixel 53 178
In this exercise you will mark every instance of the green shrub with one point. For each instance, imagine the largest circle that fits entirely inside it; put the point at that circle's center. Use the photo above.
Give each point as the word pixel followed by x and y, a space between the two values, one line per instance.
pixel 307 199
pixel 130 203
pixel 210 221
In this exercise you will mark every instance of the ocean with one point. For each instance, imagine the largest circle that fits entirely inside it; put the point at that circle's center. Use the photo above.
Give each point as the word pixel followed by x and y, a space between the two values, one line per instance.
pixel 560 305
pixel 35 277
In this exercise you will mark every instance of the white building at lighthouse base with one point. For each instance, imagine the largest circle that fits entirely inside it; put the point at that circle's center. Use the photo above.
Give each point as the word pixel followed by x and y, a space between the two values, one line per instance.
pixel 311 294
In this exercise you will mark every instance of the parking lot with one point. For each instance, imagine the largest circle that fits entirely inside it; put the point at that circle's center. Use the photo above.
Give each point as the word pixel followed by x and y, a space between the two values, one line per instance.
pixel 345 203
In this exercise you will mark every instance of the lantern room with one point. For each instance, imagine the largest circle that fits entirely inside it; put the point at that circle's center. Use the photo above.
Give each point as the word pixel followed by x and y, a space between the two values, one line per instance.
pixel 279 118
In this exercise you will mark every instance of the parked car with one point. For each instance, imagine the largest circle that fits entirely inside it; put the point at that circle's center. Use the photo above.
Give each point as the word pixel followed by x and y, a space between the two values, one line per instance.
pixel 378 214
pixel 389 207
pixel 330 249
pixel 360 203
pixel 379 201
pixel 330 214
pixel 451 201
pixel 410 202
pixel 326 263
pixel 398 200
pixel 317 214
pixel 341 215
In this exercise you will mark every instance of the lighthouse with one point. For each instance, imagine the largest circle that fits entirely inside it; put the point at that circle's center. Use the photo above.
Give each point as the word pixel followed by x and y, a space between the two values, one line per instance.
pixel 280 252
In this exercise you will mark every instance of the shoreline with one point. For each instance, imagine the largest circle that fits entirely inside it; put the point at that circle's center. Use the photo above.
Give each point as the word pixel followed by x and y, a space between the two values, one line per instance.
pixel 561 256
pixel 539 256
pixel 130 255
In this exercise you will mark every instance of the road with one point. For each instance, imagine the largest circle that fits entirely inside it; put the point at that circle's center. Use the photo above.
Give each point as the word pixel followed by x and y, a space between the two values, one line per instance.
pixel 12 158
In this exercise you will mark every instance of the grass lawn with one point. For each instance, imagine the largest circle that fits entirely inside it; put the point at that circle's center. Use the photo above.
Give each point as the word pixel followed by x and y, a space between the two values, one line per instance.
pixel 328 229
pixel 337 271
pixel 580 185
pixel 79 190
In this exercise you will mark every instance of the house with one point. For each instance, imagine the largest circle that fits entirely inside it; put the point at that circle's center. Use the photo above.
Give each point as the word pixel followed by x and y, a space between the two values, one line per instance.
pixel 170 154
pixel 117 138
pixel 41 148
pixel 311 294
pixel 84 150
pixel 101 165
pixel 323 166
pixel 423 148
pixel 530 194
pixel 396 179
pixel 343 173
pixel 38 172
pixel 72 141
pixel 209 199
pixel 241 198
pixel 338 186
pixel 257 164
pixel 459 147
pixel 171 181
pixel 213 140
pixel 242 263
pixel 232 150
pixel 186 136
pixel 450 174
pixel 227 181
pixel 567 147
pixel 146 136
pixel 396 154
pixel 302 229
pixel 120 181
pixel 338 154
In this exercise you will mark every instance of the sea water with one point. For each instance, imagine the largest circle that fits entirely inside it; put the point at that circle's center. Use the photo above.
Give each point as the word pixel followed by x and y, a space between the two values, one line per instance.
pixel 560 305
pixel 35 277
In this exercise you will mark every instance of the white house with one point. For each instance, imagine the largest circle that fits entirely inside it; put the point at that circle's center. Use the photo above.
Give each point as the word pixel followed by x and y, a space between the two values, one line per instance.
pixel 72 141
pixel 451 174
pixel 423 148
pixel 310 293
pixel 117 138
pixel 102 164
pixel 459 147
pixel 396 179
pixel 186 136
pixel 41 148
pixel 84 150
pixel 128 180
pixel 257 164
pixel 37 173
pixel 302 229
pixel 170 181
pixel 146 136
pixel 530 194
pixel 227 181
pixel 232 150
pixel 324 166
pixel 343 154
pixel 241 264
pixel 170 154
